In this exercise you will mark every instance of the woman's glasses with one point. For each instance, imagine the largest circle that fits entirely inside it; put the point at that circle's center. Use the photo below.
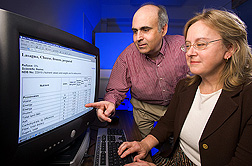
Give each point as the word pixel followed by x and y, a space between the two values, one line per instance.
pixel 199 45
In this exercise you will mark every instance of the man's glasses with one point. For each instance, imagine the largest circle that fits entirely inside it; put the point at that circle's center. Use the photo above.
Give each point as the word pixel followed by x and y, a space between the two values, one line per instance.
pixel 199 45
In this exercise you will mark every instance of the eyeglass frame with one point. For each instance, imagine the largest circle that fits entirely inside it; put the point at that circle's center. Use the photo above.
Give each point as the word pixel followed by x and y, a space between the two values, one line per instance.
pixel 183 47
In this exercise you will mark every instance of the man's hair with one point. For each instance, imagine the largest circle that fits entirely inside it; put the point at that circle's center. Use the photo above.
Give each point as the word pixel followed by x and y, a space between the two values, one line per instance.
pixel 162 15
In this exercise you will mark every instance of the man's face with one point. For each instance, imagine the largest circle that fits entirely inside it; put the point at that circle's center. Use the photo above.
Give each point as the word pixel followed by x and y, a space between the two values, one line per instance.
pixel 146 36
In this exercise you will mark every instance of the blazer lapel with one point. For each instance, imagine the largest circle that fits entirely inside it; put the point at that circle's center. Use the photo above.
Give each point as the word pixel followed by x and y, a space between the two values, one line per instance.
pixel 223 109
pixel 186 98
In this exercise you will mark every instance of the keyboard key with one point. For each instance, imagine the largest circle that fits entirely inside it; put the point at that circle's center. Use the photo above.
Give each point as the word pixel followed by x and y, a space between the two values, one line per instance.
pixel 108 141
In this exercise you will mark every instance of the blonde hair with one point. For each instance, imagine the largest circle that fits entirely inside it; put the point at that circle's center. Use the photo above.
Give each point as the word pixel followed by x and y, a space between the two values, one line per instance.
pixel 232 29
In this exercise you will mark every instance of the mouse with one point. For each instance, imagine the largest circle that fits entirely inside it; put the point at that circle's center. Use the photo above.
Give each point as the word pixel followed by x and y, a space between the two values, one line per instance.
pixel 114 120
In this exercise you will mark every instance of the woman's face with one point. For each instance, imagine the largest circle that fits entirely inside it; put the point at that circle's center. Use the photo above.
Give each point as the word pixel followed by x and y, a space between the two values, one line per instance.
pixel 209 61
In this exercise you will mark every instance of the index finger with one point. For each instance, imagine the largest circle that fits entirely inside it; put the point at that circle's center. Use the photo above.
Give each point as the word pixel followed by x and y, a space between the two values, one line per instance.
pixel 123 147
pixel 96 105
pixel 127 152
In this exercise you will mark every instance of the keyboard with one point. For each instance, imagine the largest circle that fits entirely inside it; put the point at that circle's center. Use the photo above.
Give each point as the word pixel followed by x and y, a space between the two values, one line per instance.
pixel 107 143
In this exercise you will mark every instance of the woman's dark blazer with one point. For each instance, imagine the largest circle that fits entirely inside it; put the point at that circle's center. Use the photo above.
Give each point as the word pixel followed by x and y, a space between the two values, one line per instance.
pixel 227 136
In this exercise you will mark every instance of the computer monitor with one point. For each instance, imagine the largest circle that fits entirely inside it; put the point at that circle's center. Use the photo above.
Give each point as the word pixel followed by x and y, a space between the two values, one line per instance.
pixel 46 78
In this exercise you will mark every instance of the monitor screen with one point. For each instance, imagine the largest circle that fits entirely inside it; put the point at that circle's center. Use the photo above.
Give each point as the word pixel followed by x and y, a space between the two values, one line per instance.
pixel 46 78
pixel 55 84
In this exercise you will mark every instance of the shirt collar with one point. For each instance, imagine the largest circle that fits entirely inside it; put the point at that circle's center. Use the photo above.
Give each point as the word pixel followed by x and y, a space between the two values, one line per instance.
pixel 162 50
pixel 163 47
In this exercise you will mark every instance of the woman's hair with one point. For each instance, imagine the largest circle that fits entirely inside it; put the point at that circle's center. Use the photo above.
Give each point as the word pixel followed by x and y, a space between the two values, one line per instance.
pixel 238 69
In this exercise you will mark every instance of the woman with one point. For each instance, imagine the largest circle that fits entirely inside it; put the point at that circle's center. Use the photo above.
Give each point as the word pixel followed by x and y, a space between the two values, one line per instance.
pixel 210 113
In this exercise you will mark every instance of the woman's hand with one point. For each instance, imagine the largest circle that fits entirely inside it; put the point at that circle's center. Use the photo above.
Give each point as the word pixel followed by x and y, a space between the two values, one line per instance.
pixel 140 163
pixel 141 148
pixel 127 148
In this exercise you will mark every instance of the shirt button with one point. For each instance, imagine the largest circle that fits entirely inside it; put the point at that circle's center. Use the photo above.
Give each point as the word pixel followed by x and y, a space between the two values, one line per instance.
pixel 205 146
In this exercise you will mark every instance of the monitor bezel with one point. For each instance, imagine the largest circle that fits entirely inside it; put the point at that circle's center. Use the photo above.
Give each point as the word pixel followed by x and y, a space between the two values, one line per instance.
pixel 12 26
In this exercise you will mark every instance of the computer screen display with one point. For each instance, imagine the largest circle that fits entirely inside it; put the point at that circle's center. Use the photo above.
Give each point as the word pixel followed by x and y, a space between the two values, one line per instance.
pixel 47 77
pixel 55 84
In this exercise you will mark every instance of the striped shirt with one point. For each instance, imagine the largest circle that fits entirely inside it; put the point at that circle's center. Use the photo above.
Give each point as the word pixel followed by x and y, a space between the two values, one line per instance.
pixel 150 81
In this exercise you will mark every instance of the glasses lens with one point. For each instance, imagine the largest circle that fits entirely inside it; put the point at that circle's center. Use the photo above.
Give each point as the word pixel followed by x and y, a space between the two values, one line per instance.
pixel 200 45
pixel 183 48
pixel 186 46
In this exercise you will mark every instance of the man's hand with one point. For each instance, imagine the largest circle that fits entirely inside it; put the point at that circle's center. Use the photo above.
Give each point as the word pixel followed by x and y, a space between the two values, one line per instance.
pixel 104 110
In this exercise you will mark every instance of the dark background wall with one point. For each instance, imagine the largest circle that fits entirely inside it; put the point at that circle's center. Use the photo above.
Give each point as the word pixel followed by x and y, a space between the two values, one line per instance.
pixel 104 22
pixel 244 11
pixel 107 23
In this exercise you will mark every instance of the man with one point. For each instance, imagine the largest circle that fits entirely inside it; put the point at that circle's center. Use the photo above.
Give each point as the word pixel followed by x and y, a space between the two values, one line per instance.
pixel 150 67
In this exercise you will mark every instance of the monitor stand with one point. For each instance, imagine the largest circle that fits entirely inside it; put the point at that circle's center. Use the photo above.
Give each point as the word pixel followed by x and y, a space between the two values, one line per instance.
pixel 73 155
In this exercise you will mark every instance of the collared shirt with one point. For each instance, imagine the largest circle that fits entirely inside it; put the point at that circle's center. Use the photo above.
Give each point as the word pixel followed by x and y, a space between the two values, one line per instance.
pixel 150 81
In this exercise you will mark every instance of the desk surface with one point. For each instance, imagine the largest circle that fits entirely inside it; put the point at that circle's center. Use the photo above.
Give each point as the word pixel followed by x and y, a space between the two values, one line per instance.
pixel 126 122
